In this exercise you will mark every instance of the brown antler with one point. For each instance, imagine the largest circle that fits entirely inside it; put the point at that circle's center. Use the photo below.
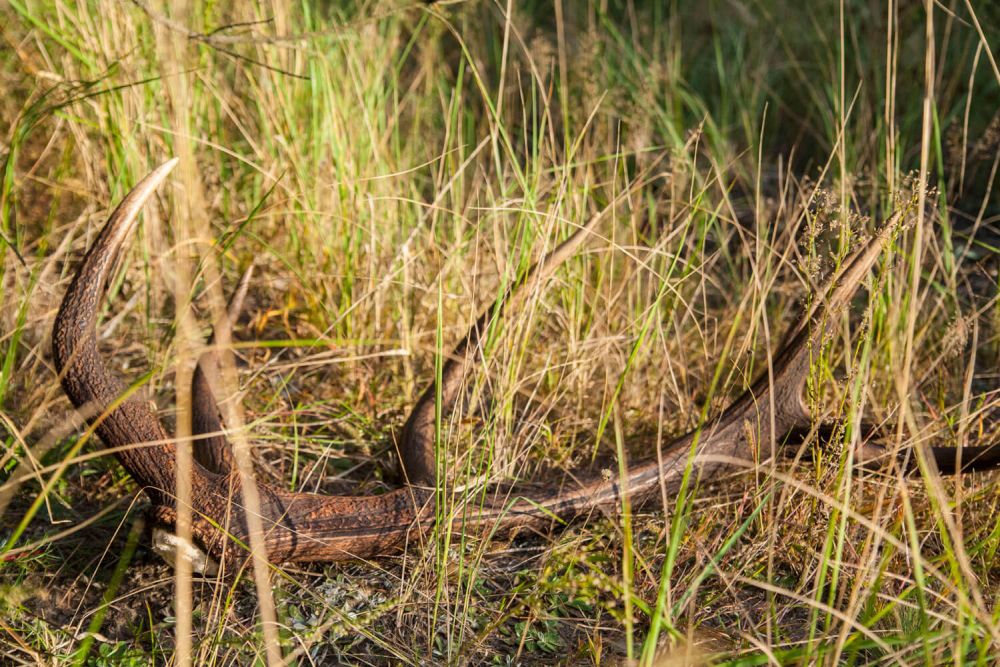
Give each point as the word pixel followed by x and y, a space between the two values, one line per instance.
pixel 211 449
pixel 310 527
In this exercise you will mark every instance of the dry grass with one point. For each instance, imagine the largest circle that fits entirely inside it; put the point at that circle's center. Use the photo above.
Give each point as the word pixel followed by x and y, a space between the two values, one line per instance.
pixel 388 168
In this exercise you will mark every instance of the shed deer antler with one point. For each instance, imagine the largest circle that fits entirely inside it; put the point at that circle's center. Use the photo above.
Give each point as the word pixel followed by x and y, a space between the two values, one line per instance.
pixel 311 527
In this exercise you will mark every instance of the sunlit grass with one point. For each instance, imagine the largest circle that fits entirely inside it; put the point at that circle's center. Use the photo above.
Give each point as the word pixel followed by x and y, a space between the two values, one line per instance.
pixel 389 169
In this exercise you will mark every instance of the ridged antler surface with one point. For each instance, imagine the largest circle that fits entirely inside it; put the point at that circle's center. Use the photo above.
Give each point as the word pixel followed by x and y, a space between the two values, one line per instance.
pixel 310 527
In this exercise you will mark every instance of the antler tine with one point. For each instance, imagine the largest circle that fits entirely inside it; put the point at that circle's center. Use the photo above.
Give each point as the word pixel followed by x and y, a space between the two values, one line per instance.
pixel 738 433
pixel 416 448
pixel 85 378
pixel 791 363
pixel 211 448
